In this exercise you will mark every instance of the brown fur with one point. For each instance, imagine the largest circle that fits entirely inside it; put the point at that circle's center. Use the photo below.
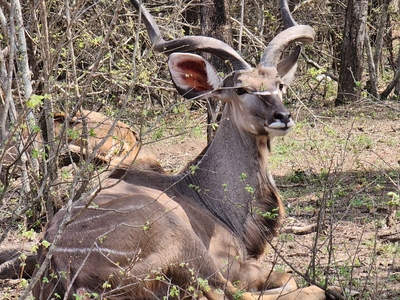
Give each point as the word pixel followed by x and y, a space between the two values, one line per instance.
pixel 109 141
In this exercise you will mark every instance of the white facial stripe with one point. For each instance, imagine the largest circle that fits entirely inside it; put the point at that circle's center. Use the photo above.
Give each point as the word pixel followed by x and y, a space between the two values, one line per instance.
pixel 266 93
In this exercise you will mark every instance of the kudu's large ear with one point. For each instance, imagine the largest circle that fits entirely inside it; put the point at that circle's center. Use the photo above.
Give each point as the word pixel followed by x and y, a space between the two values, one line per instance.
pixel 193 76
pixel 287 66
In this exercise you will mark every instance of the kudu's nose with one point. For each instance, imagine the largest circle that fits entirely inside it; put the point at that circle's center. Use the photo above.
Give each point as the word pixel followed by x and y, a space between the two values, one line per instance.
pixel 284 117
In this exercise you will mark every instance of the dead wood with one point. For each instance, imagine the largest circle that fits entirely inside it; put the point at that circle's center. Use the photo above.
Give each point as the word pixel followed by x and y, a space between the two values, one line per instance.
pixel 301 230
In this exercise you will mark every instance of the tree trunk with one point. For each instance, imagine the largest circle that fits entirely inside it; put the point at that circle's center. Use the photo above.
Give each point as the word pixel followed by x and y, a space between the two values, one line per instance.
pixel 381 33
pixel 372 84
pixel 215 23
pixel 352 58
pixel 397 84
pixel 374 59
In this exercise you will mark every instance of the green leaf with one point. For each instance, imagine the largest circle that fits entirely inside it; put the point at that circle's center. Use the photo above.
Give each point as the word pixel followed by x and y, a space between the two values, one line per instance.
pixel 35 101
pixel 46 244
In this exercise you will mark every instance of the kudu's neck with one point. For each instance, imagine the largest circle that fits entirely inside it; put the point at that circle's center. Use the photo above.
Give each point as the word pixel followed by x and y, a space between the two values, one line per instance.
pixel 230 181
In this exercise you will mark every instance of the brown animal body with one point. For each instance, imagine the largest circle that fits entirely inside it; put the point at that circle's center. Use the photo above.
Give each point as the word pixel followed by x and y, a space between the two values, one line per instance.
pixel 112 140
pixel 148 235
pixel 109 142
pixel 88 133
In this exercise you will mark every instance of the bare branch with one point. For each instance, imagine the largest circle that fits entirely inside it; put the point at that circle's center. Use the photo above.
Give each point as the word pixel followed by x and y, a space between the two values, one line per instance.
pixel 392 84
pixel 371 65
pixel 301 230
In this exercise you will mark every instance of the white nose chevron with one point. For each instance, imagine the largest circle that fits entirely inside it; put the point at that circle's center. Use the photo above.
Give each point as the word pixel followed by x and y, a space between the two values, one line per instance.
pixel 266 93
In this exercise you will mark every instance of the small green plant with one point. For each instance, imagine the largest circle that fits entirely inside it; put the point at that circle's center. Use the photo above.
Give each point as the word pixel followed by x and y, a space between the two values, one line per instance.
pixel 29 234
pixel 280 268
pixel 73 134
pixel 92 133
pixel 36 101
pixel 78 297
pixel 243 176
pixel 174 291
pixel 106 285
pixel 298 176
pixel 198 131
pixel 158 133
pixel 362 201
pixel 195 187
pixel 45 279
pixel 286 237
pixel 146 226
pixel 395 199
pixel 203 283
pixel 344 271
pixel 238 295
pixel 249 189
pixel 270 215
pixel 193 169
pixel 23 283
pixel 364 141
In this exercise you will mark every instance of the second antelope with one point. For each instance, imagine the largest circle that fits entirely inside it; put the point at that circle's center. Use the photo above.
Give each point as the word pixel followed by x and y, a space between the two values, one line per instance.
pixel 203 231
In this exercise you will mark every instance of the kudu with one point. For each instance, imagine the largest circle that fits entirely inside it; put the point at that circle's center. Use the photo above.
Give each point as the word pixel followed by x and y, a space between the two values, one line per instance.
pixel 110 142
pixel 88 133
pixel 149 235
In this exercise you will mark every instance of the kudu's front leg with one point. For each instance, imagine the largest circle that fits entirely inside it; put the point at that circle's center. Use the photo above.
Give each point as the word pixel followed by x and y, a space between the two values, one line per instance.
pixel 275 285
pixel 307 293
pixel 284 287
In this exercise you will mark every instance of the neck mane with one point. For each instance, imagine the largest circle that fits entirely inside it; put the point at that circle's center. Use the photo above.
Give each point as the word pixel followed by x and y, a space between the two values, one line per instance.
pixel 229 180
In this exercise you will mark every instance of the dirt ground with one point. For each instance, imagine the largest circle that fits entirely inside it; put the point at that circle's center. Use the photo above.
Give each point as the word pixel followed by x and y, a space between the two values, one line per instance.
pixel 336 171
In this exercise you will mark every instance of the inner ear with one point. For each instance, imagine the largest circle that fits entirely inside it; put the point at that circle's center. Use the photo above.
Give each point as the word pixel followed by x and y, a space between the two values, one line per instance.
pixel 193 76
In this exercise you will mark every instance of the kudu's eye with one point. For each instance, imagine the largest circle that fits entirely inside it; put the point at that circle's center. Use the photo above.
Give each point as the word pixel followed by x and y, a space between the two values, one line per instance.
pixel 241 91
pixel 281 86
